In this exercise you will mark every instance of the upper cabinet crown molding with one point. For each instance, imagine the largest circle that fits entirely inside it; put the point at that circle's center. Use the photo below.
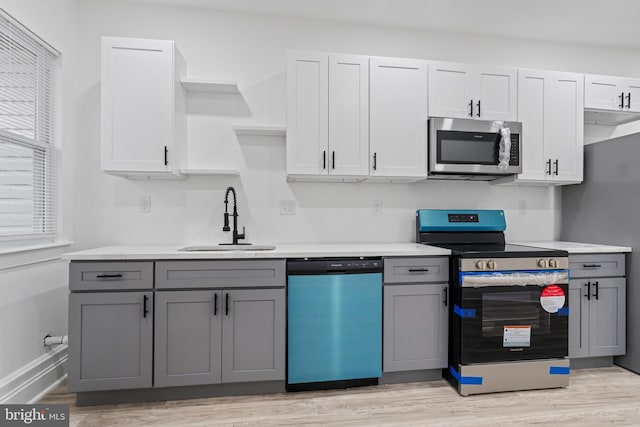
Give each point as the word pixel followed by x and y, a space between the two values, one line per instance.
pixel 143 108
pixel 472 91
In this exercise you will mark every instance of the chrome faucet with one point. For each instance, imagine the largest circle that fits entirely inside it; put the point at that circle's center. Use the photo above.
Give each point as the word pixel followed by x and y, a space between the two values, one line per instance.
pixel 236 236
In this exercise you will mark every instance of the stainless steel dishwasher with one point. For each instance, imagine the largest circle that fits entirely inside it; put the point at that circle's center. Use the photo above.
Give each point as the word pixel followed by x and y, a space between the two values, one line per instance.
pixel 334 330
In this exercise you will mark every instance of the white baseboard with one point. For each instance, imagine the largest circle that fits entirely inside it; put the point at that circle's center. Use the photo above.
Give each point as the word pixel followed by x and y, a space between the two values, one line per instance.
pixel 30 383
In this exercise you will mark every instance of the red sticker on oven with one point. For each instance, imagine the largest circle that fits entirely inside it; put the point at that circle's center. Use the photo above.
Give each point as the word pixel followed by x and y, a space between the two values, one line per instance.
pixel 552 298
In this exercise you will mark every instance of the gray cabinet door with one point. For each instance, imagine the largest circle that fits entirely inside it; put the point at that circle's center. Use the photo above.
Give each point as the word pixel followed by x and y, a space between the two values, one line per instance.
pixel 415 330
pixel 253 335
pixel 188 335
pixel 607 317
pixel 110 340
pixel 578 318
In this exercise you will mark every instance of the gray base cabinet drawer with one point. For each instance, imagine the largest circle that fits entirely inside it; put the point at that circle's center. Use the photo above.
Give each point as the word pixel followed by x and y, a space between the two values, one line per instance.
pixel 416 270
pixel 110 275
pixel 597 265
pixel 220 274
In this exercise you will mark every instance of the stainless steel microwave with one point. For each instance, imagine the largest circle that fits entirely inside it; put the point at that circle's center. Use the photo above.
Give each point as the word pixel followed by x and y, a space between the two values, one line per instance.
pixel 469 149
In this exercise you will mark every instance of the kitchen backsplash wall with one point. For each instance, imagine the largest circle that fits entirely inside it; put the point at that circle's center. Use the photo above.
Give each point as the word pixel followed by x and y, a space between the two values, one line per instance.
pixel 251 50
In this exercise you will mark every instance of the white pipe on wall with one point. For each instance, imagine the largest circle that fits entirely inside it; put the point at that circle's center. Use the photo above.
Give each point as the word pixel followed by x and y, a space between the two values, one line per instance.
pixel 49 340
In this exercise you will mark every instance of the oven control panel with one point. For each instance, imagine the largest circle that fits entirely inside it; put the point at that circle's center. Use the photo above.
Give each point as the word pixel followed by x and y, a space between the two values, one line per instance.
pixel 505 264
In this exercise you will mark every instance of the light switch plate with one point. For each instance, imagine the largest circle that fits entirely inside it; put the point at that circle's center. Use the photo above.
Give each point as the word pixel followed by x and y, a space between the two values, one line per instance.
pixel 287 207
pixel 145 204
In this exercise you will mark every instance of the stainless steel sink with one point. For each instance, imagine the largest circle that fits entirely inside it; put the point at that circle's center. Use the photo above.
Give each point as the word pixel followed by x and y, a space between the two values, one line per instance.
pixel 217 248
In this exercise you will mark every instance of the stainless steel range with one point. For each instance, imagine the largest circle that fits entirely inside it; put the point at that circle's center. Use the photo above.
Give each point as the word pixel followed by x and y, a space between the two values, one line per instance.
pixel 509 313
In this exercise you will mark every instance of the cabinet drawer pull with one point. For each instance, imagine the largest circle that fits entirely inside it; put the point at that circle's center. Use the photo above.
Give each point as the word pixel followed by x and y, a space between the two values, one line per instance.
pixel 555 171
pixel 471 108
pixel 166 155
pixel 588 294
pixel 446 302
pixel 333 160
pixel 215 304
pixel 324 159
pixel 478 108
pixel 109 276
pixel 418 270
pixel 226 304
pixel 621 100
pixel 595 294
pixel 591 265
pixel 629 100
pixel 375 161
pixel 548 168
pixel 144 306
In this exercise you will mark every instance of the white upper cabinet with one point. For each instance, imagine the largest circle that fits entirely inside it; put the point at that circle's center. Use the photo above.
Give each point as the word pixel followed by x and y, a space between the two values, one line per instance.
pixel 398 111
pixel 612 93
pixel 143 108
pixel 327 116
pixel 550 107
pixel 472 91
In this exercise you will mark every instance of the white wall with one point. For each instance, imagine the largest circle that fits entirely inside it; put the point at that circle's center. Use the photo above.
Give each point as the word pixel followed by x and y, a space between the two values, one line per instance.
pixel 251 50
pixel 33 285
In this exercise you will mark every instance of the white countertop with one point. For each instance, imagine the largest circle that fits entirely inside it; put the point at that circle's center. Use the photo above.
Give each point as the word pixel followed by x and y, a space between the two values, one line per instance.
pixel 576 248
pixel 310 250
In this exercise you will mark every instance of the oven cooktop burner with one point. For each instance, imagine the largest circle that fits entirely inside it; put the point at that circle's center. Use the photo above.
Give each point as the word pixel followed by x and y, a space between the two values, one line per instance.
pixel 473 250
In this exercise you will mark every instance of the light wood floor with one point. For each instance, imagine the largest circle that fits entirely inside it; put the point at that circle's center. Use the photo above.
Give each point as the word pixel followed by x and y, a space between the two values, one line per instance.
pixel 596 397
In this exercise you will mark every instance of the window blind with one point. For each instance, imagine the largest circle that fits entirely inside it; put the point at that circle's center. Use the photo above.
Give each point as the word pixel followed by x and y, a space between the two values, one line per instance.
pixel 27 152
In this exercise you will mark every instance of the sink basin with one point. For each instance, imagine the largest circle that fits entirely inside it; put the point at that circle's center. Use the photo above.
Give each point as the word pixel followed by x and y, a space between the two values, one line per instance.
pixel 217 248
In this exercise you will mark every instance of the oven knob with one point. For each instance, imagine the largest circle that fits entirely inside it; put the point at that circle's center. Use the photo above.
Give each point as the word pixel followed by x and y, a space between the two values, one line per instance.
pixel 542 263
pixel 480 264
pixel 553 263
pixel 491 264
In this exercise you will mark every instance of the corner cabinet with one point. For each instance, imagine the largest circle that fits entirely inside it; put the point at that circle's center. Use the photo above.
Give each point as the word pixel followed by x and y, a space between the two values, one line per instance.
pixel 472 91
pixel 597 305
pixel 398 111
pixel 327 116
pixel 550 107
pixel 609 93
pixel 143 108
pixel 415 318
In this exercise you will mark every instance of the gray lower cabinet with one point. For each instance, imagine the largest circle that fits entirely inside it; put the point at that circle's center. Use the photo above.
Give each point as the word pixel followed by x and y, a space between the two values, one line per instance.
pixel 597 305
pixel 214 336
pixel 597 316
pixel 415 314
pixel 110 340
pixel 415 327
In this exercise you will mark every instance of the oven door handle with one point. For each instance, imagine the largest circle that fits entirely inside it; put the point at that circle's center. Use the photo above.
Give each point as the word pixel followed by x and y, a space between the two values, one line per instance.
pixel 514 279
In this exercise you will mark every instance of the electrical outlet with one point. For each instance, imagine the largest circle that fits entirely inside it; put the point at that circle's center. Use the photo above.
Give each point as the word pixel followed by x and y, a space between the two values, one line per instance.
pixel 522 207
pixel 145 204
pixel 377 207
pixel 287 207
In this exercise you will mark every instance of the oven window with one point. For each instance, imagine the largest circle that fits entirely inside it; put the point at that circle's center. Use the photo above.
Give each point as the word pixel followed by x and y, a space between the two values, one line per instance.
pixel 519 308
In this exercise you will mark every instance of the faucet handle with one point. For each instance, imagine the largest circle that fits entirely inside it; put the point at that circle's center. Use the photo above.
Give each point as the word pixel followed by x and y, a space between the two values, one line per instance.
pixel 241 236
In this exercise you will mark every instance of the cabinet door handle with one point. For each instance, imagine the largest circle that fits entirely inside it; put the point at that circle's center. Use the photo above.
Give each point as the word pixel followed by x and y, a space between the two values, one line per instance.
pixel 478 109
pixel 109 276
pixel 446 302
pixel 144 306
pixel 621 100
pixel 595 294
pixel 226 304
pixel 588 294
pixel 629 100
pixel 418 270
pixel 548 168
pixel 555 167
pixel 591 265
pixel 324 159
pixel 375 161
pixel 215 304
pixel 333 160
pixel 471 108
pixel 166 155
